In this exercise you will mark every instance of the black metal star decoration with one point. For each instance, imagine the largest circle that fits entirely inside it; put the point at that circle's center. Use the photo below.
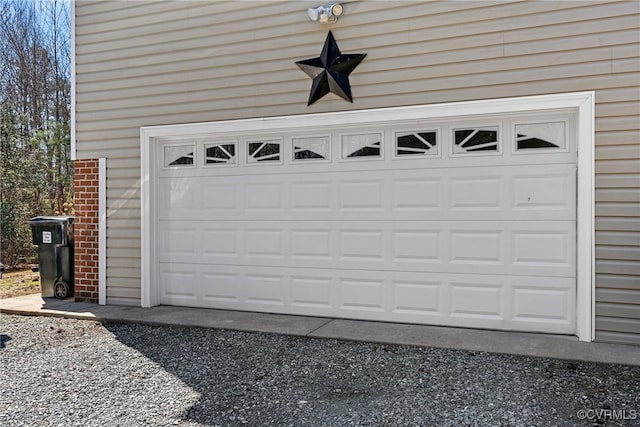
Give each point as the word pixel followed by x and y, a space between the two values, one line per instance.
pixel 330 71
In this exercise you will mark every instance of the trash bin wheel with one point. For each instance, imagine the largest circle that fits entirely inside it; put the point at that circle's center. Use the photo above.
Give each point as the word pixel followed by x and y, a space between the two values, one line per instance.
pixel 61 290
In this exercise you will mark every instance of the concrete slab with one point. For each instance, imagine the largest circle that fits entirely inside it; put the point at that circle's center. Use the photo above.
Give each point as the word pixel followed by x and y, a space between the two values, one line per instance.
pixel 25 299
pixel 228 319
pixel 54 303
pixel 21 303
pixel 78 307
pixel 526 344
pixel 166 315
pixel 519 343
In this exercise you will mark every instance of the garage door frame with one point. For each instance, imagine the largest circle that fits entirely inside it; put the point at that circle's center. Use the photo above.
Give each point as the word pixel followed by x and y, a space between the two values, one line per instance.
pixel 582 102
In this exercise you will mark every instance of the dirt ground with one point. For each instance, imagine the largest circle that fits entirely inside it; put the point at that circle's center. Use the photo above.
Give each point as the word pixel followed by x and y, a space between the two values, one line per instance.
pixel 19 282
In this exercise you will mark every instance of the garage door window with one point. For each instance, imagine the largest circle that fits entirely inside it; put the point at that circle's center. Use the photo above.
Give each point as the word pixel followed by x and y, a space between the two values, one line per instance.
pixel 363 145
pixel 311 148
pixel 220 154
pixel 470 140
pixel 264 151
pixel 541 136
pixel 178 155
pixel 416 144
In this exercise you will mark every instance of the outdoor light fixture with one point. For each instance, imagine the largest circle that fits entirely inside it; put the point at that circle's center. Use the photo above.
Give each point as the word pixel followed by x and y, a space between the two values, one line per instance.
pixel 325 14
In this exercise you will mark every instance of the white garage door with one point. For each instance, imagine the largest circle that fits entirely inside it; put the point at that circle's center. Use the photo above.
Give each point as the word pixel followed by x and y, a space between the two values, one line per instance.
pixel 466 221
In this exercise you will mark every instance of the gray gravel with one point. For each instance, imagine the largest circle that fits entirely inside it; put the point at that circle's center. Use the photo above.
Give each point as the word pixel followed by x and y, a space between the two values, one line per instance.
pixel 81 373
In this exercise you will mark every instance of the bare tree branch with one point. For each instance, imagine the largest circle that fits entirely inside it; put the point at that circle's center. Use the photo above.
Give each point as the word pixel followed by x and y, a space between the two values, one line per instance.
pixel 35 106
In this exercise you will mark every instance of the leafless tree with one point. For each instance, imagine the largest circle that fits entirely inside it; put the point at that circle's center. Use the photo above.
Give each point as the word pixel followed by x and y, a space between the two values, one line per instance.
pixel 35 130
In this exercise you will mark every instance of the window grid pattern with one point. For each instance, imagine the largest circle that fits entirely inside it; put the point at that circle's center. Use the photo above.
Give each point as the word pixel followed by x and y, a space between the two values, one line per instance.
pixel 263 151
pixel 179 155
pixel 535 136
pixel 224 153
pixel 475 139
pixel 311 148
pixel 362 145
pixel 418 143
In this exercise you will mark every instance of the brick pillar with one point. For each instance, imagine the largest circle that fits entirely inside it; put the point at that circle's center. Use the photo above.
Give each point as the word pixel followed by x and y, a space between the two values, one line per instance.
pixel 85 201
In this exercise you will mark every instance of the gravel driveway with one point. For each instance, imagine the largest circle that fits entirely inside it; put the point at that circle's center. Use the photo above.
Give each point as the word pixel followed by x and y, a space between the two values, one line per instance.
pixel 81 373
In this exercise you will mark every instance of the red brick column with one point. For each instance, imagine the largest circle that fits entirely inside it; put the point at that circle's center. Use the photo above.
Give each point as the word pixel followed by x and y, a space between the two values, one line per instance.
pixel 85 202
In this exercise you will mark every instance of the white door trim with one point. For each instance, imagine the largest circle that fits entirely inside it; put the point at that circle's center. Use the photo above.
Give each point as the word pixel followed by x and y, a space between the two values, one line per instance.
pixel 583 102
pixel 102 231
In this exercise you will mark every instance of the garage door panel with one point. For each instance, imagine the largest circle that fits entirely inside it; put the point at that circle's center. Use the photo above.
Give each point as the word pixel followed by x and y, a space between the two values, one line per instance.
pixel 416 194
pixel 477 193
pixel 264 197
pixel 180 241
pixel 543 248
pixel 266 243
pixel 416 245
pixel 359 246
pixel 477 247
pixel 540 303
pixel 459 221
pixel 226 288
pixel 505 193
pixel 360 294
pixel 311 196
pixel 216 197
pixel 179 285
pixel 474 300
pixel 311 243
pixel 553 191
pixel 417 297
pixel 311 291
pixel 265 289
pixel 468 300
pixel 219 242
pixel 484 247
pixel 363 196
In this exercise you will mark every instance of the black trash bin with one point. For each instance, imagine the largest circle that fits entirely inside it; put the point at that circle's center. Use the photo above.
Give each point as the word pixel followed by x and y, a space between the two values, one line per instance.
pixel 54 237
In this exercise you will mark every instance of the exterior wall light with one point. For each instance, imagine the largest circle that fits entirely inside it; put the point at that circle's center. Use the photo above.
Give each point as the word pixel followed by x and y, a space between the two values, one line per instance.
pixel 325 14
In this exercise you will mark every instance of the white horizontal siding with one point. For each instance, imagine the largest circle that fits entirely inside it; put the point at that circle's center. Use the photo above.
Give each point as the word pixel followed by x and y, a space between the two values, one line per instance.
pixel 616 281
pixel 617 197
pixel 145 63
pixel 227 89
